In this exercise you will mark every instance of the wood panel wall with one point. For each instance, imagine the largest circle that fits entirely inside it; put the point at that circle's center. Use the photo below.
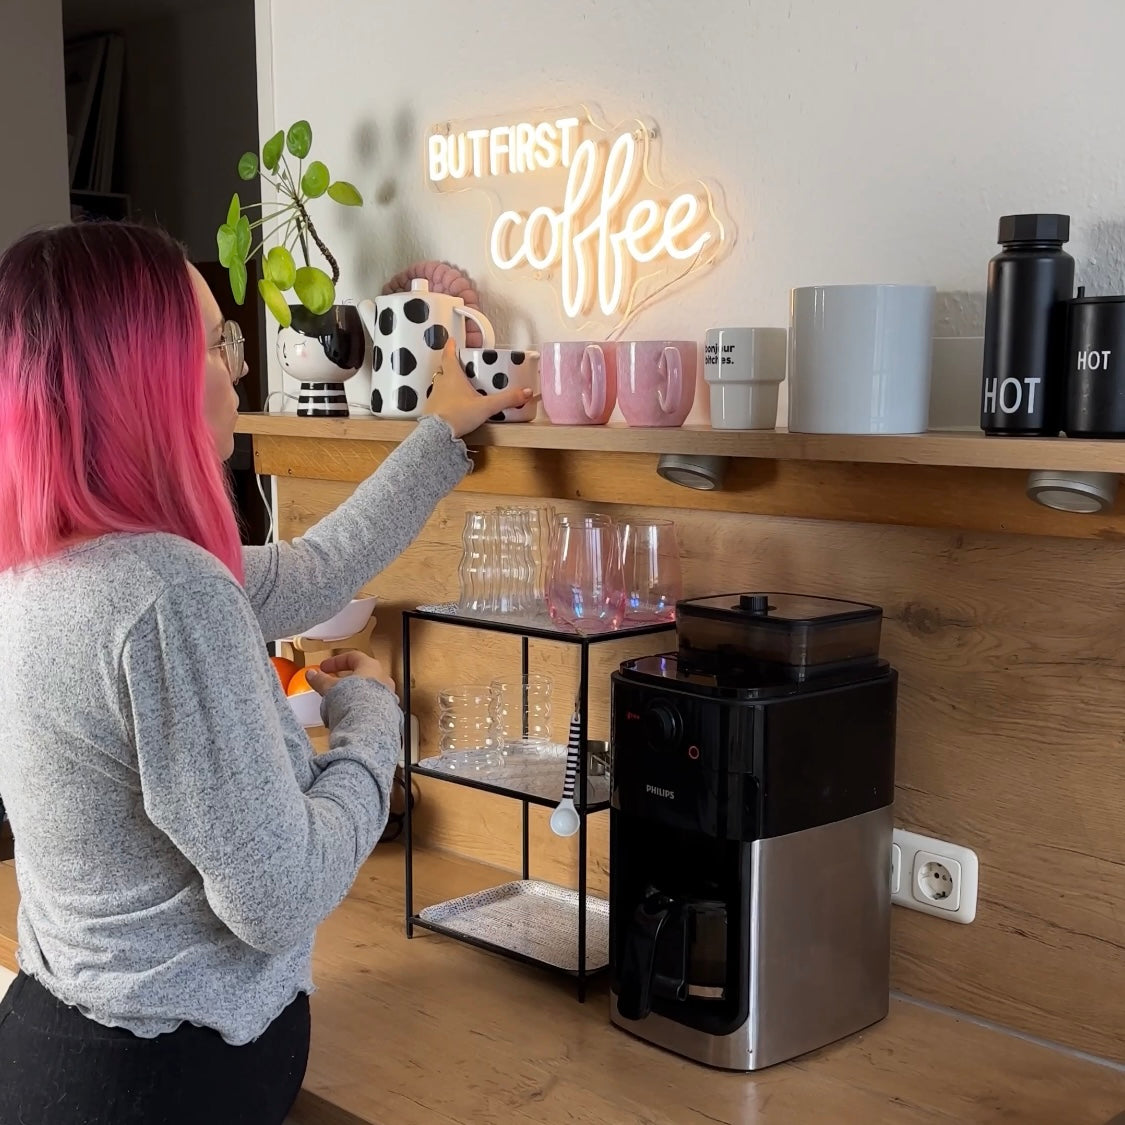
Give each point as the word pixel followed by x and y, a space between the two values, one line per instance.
pixel 1011 651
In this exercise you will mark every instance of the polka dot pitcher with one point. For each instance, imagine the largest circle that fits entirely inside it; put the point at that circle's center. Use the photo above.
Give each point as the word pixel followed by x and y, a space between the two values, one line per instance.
pixel 408 332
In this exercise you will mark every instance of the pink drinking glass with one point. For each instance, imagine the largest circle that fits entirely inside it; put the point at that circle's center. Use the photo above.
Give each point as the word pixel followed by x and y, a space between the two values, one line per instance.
pixel 650 564
pixel 585 589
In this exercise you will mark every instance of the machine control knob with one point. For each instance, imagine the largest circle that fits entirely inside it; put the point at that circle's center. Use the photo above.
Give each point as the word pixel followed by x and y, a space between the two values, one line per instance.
pixel 662 725
pixel 754 603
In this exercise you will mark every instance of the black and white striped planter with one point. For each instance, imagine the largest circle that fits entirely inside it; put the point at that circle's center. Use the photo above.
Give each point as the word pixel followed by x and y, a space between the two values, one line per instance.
pixel 322 353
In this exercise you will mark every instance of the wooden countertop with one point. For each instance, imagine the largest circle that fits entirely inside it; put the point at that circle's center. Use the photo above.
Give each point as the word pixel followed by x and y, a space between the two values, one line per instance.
pixel 947 448
pixel 432 1032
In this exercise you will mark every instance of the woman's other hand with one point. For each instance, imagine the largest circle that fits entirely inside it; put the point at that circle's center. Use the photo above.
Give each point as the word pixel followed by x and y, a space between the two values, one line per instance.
pixel 459 403
pixel 334 668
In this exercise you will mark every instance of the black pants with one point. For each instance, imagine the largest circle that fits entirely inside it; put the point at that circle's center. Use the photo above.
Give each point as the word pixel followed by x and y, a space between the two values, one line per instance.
pixel 59 1068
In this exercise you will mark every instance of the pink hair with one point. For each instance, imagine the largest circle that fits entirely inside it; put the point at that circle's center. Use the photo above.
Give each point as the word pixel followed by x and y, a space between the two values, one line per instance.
pixel 102 353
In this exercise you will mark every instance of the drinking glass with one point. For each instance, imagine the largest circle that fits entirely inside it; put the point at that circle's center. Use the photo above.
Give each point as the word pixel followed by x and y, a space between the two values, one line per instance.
pixel 505 560
pixel 586 589
pixel 514 589
pixel 540 523
pixel 650 564
pixel 477 567
pixel 467 740
pixel 521 712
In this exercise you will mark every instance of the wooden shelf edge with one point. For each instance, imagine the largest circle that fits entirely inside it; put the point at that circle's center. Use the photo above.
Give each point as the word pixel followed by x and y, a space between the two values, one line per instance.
pixel 955 449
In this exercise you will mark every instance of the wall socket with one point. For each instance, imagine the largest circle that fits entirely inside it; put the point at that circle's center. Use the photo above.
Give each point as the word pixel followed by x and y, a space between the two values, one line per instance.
pixel 934 877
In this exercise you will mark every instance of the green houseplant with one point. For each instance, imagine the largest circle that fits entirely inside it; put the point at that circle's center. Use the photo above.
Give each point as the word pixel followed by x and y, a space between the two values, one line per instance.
pixel 288 217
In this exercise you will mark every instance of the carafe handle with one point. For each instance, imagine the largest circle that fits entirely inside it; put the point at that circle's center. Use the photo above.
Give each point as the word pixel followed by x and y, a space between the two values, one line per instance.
pixel 638 967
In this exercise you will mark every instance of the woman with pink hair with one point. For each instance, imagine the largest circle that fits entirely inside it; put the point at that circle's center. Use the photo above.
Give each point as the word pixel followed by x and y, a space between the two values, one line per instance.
pixel 177 840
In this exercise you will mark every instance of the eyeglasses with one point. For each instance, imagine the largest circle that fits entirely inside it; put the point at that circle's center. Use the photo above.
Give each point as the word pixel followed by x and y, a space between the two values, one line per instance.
pixel 233 345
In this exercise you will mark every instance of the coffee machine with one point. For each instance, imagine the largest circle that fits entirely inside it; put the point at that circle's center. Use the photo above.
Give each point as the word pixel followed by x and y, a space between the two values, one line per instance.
pixel 750 830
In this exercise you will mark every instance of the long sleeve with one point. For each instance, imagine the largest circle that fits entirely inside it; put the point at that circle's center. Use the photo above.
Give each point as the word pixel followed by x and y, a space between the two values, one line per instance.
pixel 293 586
pixel 217 778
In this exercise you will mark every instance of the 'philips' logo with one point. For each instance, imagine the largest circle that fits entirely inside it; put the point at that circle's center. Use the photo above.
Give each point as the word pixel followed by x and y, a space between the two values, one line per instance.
pixel 656 791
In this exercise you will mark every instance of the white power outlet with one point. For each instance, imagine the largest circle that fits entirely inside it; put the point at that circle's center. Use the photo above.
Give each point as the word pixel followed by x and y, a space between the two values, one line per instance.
pixel 934 877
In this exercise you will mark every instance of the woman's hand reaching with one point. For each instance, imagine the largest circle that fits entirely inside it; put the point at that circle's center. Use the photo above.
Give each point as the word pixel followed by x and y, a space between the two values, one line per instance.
pixel 335 668
pixel 459 403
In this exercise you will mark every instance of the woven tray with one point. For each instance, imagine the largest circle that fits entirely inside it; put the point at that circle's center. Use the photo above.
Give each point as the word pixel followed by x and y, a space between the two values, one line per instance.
pixel 535 919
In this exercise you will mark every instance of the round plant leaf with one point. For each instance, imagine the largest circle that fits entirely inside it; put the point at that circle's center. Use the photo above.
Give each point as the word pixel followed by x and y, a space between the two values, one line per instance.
pixel 271 150
pixel 242 232
pixel 275 302
pixel 248 165
pixel 280 268
pixel 234 210
pixel 345 193
pixel 314 182
pixel 299 139
pixel 238 280
pixel 227 241
pixel 314 289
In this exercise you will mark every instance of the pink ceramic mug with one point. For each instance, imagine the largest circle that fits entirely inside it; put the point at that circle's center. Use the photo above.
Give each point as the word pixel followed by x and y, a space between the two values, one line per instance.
pixel 578 382
pixel 656 381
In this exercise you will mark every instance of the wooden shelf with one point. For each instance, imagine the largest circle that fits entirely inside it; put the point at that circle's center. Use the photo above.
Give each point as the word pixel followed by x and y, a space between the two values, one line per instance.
pixel 948 448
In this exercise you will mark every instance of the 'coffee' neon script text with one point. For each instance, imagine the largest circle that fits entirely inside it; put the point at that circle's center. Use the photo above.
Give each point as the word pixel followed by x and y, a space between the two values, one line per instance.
pixel 604 231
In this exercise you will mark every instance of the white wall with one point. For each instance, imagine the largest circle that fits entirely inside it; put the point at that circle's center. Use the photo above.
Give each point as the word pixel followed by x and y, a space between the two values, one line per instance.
pixel 33 186
pixel 874 141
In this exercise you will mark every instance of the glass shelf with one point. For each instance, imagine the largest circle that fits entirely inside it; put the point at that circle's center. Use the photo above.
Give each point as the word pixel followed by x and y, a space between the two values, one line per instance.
pixel 533 776
pixel 540 626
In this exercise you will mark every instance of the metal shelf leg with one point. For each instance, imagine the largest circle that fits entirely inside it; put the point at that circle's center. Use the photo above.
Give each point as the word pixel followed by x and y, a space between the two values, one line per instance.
pixel 408 827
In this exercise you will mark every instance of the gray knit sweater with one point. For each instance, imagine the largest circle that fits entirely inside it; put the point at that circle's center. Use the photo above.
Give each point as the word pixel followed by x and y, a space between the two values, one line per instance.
pixel 177 840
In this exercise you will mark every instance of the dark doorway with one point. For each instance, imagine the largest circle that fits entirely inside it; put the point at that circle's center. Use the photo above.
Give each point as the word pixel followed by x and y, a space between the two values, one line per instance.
pixel 161 102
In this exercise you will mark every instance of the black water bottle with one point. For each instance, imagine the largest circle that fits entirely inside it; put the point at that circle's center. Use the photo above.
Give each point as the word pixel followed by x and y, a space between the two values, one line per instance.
pixel 1029 284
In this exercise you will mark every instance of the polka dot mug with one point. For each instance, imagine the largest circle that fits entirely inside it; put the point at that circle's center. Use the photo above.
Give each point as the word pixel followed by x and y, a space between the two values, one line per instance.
pixel 492 370
pixel 408 332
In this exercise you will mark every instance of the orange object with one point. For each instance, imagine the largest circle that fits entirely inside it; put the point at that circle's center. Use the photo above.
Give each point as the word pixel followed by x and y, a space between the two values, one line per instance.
pixel 300 681
pixel 285 669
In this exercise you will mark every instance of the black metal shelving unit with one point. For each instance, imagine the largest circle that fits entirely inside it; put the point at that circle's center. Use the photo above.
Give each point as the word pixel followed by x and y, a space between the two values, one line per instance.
pixel 562 902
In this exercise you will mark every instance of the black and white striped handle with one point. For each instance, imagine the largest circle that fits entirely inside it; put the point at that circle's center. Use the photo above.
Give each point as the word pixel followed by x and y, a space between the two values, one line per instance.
pixel 573 749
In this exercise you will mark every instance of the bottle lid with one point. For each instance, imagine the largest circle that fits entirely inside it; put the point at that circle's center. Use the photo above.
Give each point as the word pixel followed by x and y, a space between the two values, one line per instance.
pixel 1034 228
